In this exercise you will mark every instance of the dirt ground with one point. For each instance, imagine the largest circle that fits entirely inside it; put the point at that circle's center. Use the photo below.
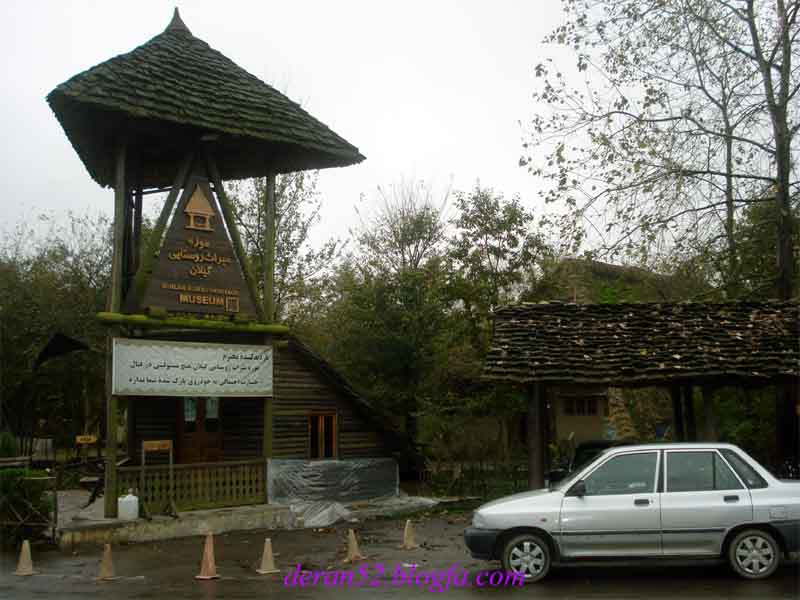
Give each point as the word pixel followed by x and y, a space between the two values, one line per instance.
pixel 167 570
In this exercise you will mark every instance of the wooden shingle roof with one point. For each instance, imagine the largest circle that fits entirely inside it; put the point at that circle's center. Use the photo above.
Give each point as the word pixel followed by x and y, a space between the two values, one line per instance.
pixel 174 89
pixel 639 344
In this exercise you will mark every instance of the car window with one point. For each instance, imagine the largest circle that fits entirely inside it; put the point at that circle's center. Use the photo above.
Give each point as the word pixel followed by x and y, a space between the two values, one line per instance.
pixel 744 470
pixel 725 478
pixel 698 472
pixel 626 474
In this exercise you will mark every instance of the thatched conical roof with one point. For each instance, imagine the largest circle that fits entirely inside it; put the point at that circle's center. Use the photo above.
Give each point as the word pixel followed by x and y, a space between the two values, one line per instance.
pixel 175 89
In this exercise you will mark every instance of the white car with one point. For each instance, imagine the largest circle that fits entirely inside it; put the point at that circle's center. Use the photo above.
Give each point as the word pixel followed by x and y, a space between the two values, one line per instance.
pixel 642 502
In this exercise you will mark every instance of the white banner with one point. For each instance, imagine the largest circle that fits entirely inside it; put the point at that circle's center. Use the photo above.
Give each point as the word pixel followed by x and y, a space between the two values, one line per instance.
pixel 158 368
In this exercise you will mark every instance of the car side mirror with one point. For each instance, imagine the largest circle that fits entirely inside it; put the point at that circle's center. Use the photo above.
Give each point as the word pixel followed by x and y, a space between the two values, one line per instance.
pixel 578 489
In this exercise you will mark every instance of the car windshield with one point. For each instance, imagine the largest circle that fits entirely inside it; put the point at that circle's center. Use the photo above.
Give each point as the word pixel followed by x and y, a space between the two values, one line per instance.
pixel 573 476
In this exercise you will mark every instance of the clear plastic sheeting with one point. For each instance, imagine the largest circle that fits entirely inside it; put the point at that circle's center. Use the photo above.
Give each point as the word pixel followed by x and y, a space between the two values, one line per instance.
pixel 323 514
pixel 290 481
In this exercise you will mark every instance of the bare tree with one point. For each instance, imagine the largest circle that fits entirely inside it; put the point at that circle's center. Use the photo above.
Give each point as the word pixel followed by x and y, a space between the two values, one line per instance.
pixel 686 114
pixel 407 228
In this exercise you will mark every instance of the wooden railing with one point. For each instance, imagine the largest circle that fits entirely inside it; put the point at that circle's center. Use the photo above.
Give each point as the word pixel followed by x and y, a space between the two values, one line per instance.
pixel 198 485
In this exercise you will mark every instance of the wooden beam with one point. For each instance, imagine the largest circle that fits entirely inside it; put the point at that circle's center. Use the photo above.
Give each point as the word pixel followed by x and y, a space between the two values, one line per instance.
pixel 137 222
pixel 536 435
pixel 269 250
pixel 677 414
pixel 233 229
pixel 117 266
pixel 154 246
pixel 115 301
pixel 187 323
pixel 688 409
pixel 269 420
pixel 709 415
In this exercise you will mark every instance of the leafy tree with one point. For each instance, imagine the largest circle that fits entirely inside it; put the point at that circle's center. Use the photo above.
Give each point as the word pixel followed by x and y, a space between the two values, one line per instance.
pixel 300 266
pixel 53 282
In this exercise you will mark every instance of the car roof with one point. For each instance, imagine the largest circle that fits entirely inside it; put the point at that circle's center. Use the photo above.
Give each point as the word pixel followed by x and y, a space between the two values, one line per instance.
pixel 670 446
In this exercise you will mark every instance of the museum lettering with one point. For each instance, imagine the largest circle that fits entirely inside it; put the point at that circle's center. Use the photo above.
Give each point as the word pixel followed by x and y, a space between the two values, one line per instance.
pixel 201 299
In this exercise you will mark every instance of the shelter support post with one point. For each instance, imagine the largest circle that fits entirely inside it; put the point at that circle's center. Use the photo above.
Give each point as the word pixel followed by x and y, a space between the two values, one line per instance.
pixel 709 414
pixel 677 414
pixel 688 410
pixel 536 436
pixel 269 419
pixel 269 250
pixel 787 420
pixel 121 226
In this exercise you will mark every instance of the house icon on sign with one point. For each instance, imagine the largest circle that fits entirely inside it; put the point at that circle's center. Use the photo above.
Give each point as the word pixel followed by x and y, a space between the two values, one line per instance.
pixel 198 211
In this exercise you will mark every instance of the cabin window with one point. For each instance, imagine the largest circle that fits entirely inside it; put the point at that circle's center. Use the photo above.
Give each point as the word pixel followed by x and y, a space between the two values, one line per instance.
pixel 322 435
pixel 190 415
pixel 212 415
pixel 580 407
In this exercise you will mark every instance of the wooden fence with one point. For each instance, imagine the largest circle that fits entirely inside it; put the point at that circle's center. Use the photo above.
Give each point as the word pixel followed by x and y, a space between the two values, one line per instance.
pixel 198 485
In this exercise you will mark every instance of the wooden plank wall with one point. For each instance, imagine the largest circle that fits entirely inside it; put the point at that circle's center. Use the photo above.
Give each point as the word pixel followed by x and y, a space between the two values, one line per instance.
pixel 299 390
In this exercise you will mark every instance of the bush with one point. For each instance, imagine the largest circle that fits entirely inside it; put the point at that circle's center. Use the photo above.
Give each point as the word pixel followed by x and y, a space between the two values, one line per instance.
pixel 20 496
pixel 8 444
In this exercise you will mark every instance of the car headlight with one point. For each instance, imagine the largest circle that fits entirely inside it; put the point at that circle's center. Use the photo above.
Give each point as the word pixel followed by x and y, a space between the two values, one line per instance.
pixel 478 520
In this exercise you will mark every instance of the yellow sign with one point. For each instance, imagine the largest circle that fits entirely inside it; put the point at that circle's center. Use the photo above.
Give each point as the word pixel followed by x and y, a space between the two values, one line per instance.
pixel 85 439
pixel 155 445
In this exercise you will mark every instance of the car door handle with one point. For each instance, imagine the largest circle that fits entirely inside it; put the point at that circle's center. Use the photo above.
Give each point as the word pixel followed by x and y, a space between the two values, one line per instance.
pixel 731 498
pixel 642 502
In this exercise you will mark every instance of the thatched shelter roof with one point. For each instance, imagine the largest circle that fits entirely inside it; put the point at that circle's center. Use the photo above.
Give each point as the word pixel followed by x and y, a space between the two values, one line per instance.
pixel 641 344
pixel 172 90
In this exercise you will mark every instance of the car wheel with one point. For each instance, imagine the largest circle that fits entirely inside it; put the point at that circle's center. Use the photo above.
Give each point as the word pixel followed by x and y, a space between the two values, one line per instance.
pixel 754 554
pixel 528 556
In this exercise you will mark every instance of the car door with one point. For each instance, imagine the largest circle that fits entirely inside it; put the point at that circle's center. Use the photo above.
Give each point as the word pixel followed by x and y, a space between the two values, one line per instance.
pixel 619 514
pixel 702 499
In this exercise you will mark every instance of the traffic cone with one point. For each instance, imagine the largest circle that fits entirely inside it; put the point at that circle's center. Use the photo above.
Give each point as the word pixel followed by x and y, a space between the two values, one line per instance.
pixel 106 566
pixel 409 543
pixel 208 568
pixel 25 564
pixel 267 560
pixel 353 553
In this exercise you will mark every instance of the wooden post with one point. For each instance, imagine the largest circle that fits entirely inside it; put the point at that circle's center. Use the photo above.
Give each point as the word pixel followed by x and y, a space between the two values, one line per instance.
pixel 137 221
pixel 149 257
pixel 230 221
pixel 269 419
pixel 677 414
pixel 115 297
pixel 688 409
pixel 536 434
pixel 709 416
pixel 269 250
pixel 114 305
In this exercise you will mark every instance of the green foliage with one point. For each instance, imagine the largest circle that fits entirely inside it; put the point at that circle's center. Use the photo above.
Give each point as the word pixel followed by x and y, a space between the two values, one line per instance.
pixel 747 419
pixel 8 444
pixel 53 279
pixel 19 496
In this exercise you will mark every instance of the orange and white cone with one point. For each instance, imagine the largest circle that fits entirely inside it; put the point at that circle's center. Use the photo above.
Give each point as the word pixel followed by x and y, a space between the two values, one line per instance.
pixel 106 566
pixel 25 564
pixel 409 542
pixel 353 552
pixel 267 560
pixel 208 568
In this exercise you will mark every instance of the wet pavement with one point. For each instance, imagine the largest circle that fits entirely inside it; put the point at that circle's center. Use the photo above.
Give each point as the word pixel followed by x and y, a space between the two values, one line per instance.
pixel 167 570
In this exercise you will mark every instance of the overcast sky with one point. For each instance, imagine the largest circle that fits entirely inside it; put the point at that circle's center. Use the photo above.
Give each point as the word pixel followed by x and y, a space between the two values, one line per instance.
pixel 433 90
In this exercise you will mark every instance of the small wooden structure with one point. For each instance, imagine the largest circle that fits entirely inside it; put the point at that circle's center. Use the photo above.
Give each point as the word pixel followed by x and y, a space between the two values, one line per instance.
pixel 674 345
pixel 175 116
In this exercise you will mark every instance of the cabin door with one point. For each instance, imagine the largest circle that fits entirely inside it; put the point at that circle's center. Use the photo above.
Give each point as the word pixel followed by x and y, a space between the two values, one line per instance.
pixel 199 431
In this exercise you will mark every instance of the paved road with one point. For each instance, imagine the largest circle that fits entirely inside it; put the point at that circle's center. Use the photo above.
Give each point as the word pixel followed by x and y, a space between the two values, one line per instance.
pixel 167 569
